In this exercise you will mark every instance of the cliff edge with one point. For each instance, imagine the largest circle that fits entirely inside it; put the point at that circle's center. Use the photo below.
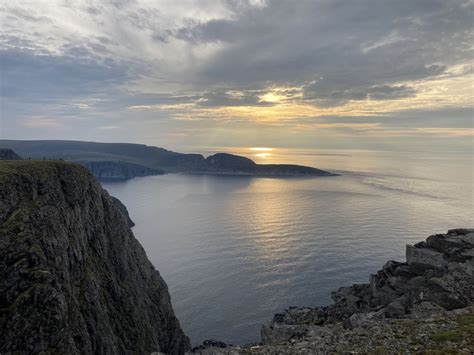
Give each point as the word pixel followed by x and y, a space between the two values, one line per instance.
pixel 74 279
pixel 9 154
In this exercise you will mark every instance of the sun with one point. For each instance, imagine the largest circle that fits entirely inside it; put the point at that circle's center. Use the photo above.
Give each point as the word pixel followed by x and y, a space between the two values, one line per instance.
pixel 261 149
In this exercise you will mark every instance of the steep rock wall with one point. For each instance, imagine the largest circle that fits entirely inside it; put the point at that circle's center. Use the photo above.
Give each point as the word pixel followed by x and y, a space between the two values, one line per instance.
pixel 73 278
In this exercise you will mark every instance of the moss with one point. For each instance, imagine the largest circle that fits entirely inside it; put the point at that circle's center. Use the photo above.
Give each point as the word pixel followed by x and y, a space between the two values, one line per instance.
pixel 380 350
pixel 441 351
pixel 449 335
pixel 466 323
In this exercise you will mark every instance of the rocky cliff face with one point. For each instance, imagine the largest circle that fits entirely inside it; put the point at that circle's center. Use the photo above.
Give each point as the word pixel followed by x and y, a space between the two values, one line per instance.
pixel 74 280
pixel 118 170
pixel 8 154
pixel 438 275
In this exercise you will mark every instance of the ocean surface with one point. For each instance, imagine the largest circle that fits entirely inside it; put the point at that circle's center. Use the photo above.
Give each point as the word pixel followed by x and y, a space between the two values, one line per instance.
pixel 236 250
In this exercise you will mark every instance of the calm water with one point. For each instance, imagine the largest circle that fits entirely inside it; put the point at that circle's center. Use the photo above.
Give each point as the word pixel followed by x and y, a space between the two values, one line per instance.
pixel 236 250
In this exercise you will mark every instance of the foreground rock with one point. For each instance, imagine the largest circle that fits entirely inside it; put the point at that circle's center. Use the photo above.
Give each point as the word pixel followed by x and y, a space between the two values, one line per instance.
pixel 74 280
pixel 8 154
pixel 423 304
pixel 124 211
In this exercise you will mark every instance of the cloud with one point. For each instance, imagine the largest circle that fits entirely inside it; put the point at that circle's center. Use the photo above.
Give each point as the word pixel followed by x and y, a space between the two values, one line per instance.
pixel 325 95
pixel 279 63
pixel 41 122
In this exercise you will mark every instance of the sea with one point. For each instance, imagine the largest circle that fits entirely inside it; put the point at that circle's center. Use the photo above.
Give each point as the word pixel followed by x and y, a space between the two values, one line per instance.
pixel 235 250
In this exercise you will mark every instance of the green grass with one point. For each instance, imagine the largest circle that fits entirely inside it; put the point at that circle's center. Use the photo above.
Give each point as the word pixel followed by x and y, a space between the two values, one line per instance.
pixel 448 335
pixel 466 323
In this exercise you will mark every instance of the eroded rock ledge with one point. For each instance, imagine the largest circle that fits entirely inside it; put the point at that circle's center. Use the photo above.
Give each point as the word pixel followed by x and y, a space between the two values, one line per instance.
pixel 412 306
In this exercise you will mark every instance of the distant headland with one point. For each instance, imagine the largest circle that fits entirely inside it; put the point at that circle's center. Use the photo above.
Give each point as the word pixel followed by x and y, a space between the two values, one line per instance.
pixel 121 161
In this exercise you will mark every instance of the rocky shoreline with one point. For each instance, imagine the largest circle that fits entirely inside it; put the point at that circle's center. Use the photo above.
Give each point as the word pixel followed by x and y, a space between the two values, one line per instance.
pixel 423 304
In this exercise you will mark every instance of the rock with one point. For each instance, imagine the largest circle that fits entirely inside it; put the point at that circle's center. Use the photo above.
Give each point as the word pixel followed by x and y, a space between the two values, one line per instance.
pixel 9 154
pixel 74 280
pixel 420 259
pixel 276 333
pixel 214 343
pixel 364 319
pixel 438 275
pixel 118 170
pixel 124 211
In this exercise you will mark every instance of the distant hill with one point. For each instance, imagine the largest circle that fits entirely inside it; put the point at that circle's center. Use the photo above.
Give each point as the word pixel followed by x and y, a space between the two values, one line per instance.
pixel 145 157
pixel 152 157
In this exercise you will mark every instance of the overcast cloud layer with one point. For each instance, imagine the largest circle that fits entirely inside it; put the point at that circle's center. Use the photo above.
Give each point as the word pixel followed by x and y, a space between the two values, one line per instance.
pixel 325 74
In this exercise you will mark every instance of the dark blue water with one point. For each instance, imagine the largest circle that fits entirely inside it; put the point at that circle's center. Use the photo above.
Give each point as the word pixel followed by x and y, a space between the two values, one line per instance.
pixel 236 250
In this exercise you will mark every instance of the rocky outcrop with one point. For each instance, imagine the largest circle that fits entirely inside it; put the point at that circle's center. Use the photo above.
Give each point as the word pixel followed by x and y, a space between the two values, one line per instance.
pixel 74 280
pixel 424 304
pixel 8 154
pixel 118 170
pixel 443 332
pixel 124 211
pixel 438 275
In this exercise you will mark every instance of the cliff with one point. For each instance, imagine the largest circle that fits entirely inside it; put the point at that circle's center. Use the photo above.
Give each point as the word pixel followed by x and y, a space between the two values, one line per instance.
pixel 8 154
pixel 74 280
pixel 117 170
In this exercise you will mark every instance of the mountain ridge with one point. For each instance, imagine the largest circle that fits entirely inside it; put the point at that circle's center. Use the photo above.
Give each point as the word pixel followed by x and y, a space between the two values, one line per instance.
pixel 155 158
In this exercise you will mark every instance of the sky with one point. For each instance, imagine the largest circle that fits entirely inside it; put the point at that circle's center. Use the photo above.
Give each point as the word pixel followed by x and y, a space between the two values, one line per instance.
pixel 320 74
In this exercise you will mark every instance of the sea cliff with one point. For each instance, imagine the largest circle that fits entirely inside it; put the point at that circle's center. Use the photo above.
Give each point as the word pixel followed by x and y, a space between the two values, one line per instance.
pixel 74 280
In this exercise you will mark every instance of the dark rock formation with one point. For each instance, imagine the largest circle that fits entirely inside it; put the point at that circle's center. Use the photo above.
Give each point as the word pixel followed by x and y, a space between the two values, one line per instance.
pixel 74 280
pixel 117 170
pixel 124 211
pixel 8 154
pixel 223 163
pixel 438 275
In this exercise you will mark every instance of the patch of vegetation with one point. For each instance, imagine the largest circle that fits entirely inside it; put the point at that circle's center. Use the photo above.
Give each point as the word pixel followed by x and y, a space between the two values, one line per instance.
pixel 449 335
pixel 441 351
pixel 466 322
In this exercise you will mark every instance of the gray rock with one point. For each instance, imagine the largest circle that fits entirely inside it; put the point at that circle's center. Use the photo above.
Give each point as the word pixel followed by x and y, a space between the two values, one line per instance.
pixel 421 258
pixel 74 280
pixel 438 275
pixel 124 211
pixel 8 154
pixel 363 319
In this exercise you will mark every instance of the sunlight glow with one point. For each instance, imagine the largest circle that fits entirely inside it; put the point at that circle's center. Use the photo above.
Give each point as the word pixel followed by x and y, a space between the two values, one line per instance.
pixel 261 149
